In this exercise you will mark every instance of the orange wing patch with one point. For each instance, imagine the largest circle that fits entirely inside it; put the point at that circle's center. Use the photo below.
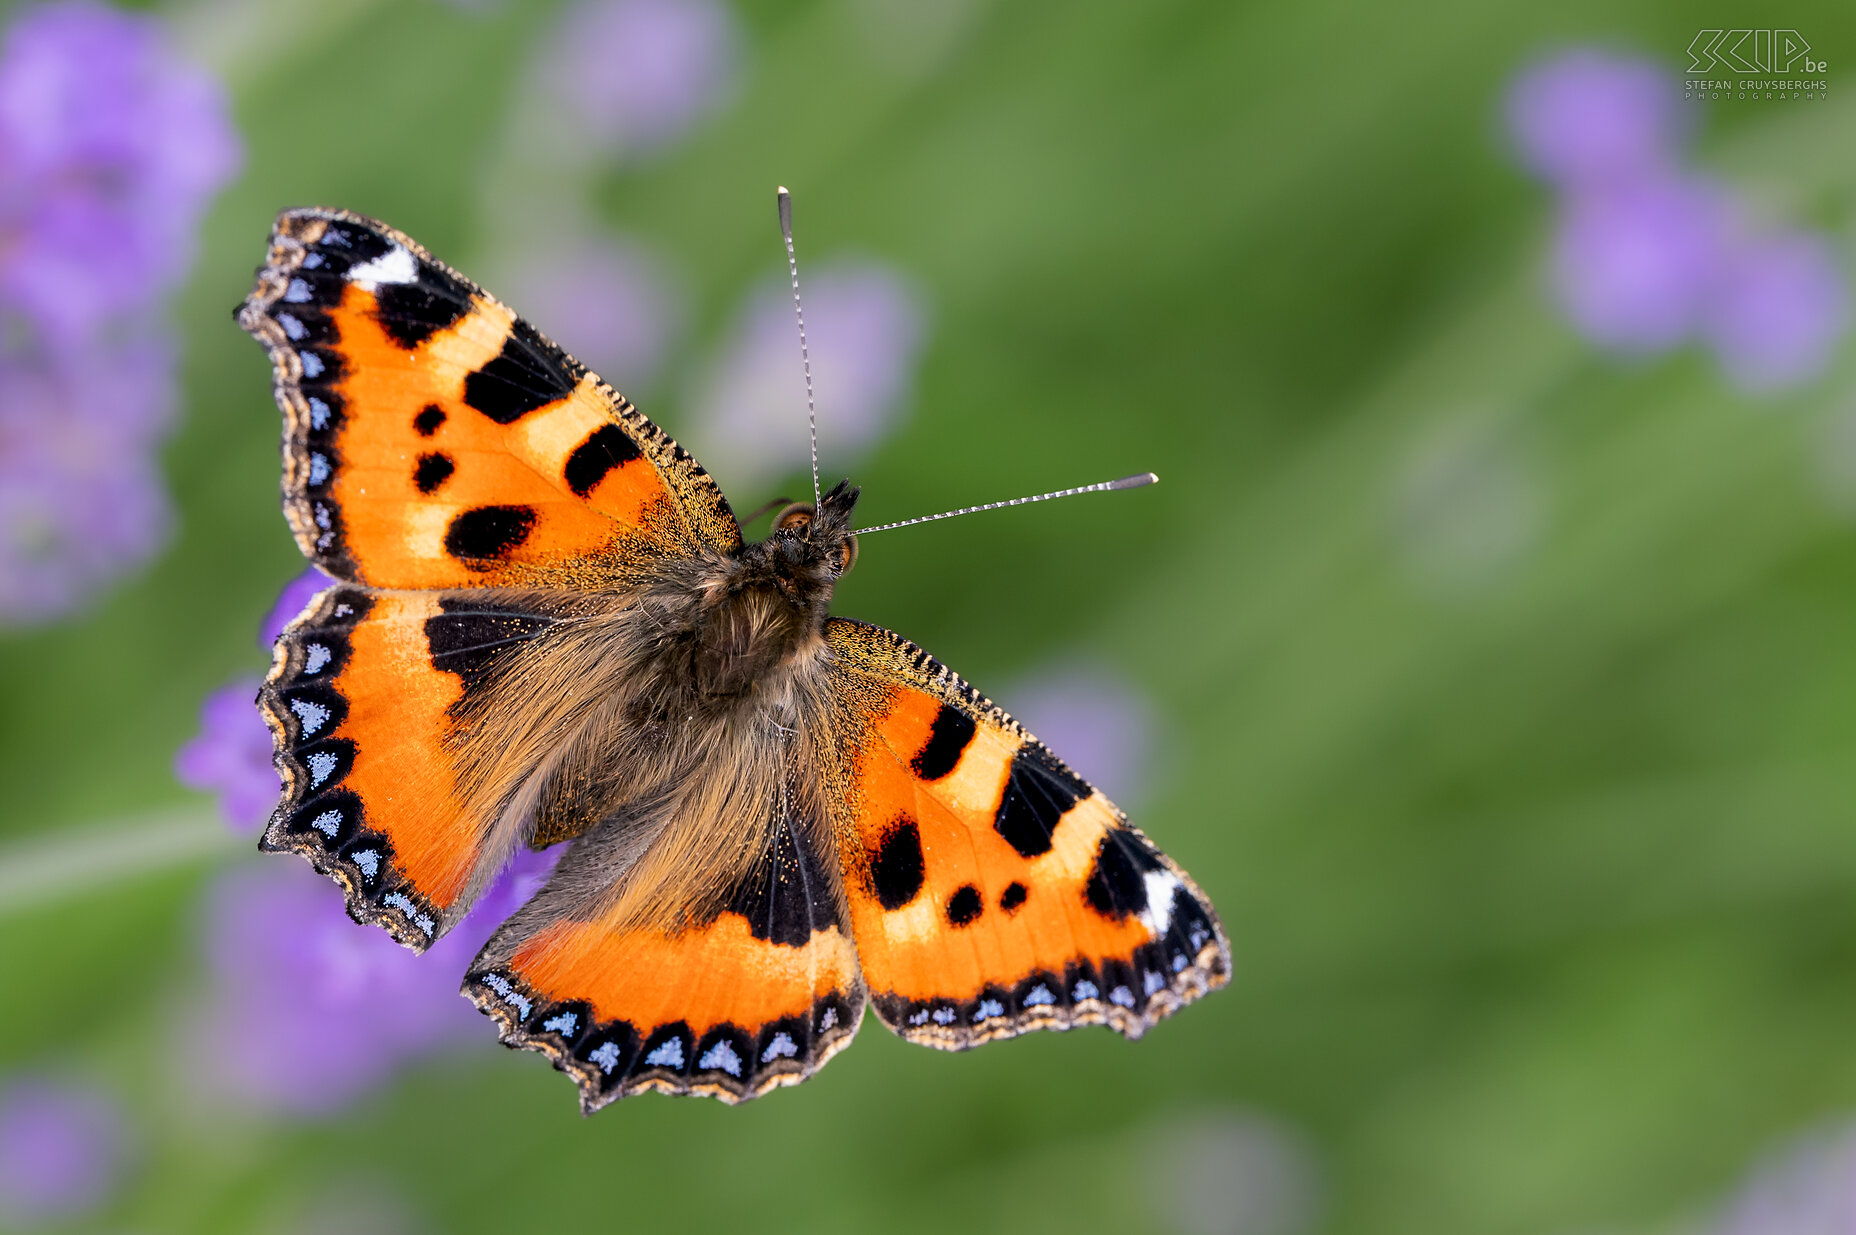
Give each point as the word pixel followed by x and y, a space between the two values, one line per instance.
pixel 991 890
pixel 758 997
pixel 433 439
pixel 359 701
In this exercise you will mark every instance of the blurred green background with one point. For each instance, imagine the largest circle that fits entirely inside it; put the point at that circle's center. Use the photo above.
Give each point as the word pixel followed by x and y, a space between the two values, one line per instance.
pixel 1508 689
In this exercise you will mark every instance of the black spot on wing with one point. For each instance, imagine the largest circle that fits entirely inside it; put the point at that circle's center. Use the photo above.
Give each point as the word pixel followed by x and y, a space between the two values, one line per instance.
pixel 433 470
pixel 413 312
pixel 1013 896
pixel 1037 793
pixel 964 905
pixel 952 730
pixel 786 897
pixel 896 868
pixel 1117 885
pixel 528 373
pixel 487 533
pixel 471 638
pixel 428 420
pixel 344 244
pixel 607 448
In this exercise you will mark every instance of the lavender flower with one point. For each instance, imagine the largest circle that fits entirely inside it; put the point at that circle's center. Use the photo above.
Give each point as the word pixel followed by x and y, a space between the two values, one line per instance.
pixel 291 602
pixel 1096 720
pixel 631 76
pixel 81 499
pixel 1778 308
pixel 1634 263
pixel 1590 117
pixel 62 1148
pixel 864 331
pixel 609 302
pixel 110 149
pixel 1647 257
pixel 1808 1188
pixel 307 1010
pixel 231 755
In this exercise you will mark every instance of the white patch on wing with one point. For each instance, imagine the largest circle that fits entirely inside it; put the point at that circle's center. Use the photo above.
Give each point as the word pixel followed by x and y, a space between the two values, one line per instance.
pixel 1039 996
pixel 316 657
pixel 504 987
pixel 403 903
pixel 321 764
pixel 669 1055
pixel 396 265
pixel 328 823
pixel 606 1056
pixel 782 1047
pixel 312 716
pixel 722 1056
pixel 1158 915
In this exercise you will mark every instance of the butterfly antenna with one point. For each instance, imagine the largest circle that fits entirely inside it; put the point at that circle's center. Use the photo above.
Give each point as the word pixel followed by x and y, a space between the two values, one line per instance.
pixel 805 360
pixel 1126 482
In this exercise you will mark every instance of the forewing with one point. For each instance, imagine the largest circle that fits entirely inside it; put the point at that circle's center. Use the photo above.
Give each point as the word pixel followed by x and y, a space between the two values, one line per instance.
pixel 433 439
pixel 755 996
pixel 991 890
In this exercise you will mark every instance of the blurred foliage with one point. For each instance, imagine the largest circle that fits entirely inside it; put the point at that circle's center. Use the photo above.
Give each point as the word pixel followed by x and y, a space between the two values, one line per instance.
pixel 1513 684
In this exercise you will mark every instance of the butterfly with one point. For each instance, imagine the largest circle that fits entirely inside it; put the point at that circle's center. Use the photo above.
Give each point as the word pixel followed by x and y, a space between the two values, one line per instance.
pixel 547 627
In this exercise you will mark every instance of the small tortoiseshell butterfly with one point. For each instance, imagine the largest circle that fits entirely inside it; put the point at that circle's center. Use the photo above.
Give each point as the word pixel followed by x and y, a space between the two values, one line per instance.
pixel 547 627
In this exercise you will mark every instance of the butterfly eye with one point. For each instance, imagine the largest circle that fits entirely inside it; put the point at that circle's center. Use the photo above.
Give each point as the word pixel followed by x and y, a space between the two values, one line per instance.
pixel 847 555
pixel 795 518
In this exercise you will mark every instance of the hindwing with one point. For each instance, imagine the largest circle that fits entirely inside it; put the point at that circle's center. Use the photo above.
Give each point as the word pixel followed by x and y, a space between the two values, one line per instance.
pixel 992 890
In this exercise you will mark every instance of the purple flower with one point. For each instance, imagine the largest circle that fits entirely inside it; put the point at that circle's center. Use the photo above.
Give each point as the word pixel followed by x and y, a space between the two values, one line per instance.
pixel 1590 117
pixel 112 149
pixel 1633 264
pixel 864 332
pixel 231 754
pixel 81 500
pixel 231 757
pixel 1646 257
pixel 1778 307
pixel 62 1148
pixel 1808 1188
pixel 1096 720
pixel 605 300
pixel 291 602
pixel 631 76
pixel 307 1010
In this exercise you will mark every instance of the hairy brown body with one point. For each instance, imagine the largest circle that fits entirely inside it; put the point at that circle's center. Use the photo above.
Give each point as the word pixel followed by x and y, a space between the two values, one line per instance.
pixel 683 718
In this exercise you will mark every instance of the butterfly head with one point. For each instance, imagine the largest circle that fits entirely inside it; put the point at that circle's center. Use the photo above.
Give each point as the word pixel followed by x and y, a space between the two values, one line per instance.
pixel 812 539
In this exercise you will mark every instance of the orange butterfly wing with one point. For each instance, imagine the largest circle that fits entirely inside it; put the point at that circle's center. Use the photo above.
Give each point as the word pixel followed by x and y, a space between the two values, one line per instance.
pixel 991 890
pixel 432 440
pixel 759 996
